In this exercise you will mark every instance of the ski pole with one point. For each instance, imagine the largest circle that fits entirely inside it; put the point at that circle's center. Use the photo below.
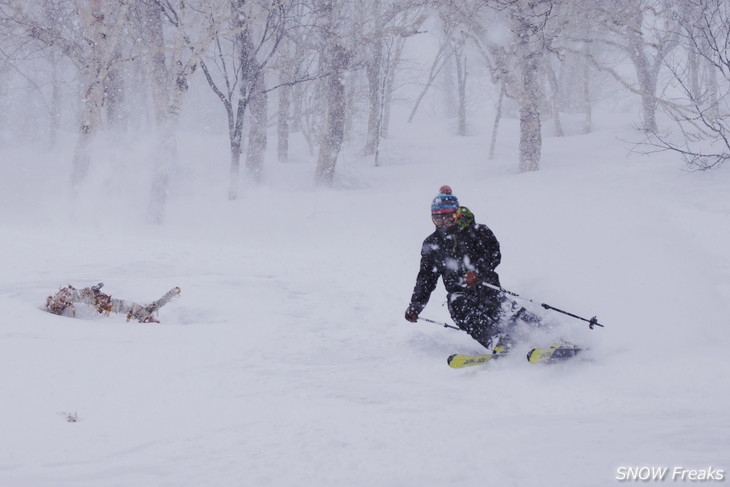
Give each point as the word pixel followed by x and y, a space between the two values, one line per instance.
pixel 591 323
pixel 445 325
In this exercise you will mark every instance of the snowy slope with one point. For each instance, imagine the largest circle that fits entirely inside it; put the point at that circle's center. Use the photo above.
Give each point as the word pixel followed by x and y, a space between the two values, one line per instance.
pixel 286 361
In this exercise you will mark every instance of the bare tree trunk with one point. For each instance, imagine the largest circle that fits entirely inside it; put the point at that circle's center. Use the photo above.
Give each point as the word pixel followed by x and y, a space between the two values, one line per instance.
pixel 333 131
pixel 373 69
pixel 282 139
pixel 389 85
pixel 55 106
pixel 284 97
pixel 647 68
pixel 185 56
pixel 165 154
pixel 305 121
pixel 713 93
pixel 350 80
pixel 55 102
pixel 381 108
pixel 374 72
pixel 530 125
pixel 694 68
pixel 647 82
pixel 448 89
pixel 245 53
pixel 93 98
pixel 114 95
pixel 334 128
pixel 296 112
pixel 712 97
pixel 438 63
pixel 455 39
pixel 4 102
pixel 497 118
pixel 461 73
pixel 588 120
pixel 184 59
pixel 103 46
pixel 235 129
pixel 554 98
pixel 701 110
pixel 257 130
pixel 243 79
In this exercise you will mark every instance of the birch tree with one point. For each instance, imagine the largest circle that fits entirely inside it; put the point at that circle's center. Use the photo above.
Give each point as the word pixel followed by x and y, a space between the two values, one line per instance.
pixel 101 27
pixel 171 63
pixel 334 62
pixel 241 54
pixel 388 26
pixel 295 64
pixel 645 31
pixel 92 48
pixel 700 106
pixel 528 20
pixel 517 65
pixel 455 41
pixel 286 59
pixel 159 76
pixel 647 46
pixel 373 70
pixel 516 62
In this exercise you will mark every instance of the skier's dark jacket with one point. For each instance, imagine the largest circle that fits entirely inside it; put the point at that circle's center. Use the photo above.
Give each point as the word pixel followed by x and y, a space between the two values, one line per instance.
pixel 469 247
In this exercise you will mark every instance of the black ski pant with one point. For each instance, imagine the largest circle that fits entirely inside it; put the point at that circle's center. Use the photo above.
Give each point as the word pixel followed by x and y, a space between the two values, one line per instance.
pixel 488 317
pixel 477 314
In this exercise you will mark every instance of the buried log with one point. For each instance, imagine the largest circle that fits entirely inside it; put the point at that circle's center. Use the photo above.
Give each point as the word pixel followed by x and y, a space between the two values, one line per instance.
pixel 62 303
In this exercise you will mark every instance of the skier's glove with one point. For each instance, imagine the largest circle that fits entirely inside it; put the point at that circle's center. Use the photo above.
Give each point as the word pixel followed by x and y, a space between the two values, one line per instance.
pixel 471 279
pixel 411 315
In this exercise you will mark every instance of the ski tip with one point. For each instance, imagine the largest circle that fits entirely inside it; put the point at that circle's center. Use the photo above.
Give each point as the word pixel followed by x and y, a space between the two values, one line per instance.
pixel 529 355
pixel 451 357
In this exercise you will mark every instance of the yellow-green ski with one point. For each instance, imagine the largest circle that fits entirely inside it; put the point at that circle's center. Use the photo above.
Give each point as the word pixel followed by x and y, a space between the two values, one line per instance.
pixel 556 353
pixel 457 361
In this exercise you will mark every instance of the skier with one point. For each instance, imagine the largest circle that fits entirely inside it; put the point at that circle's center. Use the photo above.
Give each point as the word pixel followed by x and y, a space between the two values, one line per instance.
pixel 465 255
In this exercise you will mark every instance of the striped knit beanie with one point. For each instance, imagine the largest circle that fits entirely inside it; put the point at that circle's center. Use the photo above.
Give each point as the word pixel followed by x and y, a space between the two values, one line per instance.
pixel 444 202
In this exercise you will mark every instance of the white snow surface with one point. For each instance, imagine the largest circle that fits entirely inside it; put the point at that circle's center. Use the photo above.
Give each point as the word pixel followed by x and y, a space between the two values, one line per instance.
pixel 286 360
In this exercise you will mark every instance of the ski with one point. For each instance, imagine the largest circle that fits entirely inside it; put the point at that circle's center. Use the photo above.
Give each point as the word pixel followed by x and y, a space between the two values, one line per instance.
pixel 535 356
pixel 458 361
pixel 552 354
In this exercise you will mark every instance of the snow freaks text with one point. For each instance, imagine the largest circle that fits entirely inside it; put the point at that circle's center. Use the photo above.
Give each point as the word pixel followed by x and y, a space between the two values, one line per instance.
pixel 646 474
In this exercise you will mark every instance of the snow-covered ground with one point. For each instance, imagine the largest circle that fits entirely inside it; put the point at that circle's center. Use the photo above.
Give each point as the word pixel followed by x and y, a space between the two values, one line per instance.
pixel 286 360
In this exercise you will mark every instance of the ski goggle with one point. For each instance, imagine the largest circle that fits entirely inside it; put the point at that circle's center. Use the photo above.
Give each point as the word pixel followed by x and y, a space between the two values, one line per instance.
pixel 443 218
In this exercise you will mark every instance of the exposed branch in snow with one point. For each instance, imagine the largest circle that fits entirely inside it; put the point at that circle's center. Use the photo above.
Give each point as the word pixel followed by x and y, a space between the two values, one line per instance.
pixel 62 303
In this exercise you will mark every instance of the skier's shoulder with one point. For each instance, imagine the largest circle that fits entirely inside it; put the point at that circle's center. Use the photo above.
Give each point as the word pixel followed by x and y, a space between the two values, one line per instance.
pixel 481 232
pixel 482 228
pixel 432 243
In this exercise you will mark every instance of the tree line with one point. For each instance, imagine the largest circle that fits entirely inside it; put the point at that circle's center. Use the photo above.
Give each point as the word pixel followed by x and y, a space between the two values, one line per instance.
pixel 301 64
